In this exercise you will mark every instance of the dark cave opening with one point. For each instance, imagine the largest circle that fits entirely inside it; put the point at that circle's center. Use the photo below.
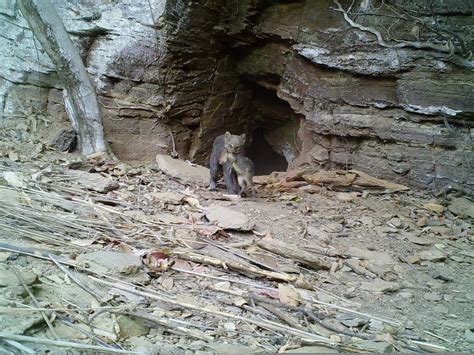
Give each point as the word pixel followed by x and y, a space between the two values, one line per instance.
pixel 264 157
pixel 273 127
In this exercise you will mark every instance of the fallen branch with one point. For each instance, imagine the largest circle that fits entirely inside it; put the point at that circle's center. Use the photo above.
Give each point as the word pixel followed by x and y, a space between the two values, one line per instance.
pixel 173 328
pixel 35 301
pixel 264 323
pixel 61 343
pixel 293 252
pixel 74 278
pixel 237 267
pixel 355 266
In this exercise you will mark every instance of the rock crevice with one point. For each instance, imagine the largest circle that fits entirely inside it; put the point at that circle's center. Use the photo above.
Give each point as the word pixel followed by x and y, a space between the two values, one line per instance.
pixel 395 100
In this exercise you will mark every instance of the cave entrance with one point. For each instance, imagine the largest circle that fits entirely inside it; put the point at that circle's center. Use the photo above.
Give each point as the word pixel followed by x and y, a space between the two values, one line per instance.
pixel 274 139
pixel 264 157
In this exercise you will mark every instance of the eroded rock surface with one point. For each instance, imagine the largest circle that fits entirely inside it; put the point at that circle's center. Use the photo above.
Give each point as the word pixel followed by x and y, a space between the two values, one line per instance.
pixel 325 90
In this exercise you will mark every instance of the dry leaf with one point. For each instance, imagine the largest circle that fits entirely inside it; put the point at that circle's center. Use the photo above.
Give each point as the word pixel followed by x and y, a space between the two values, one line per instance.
pixel 156 261
pixel 183 265
pixel 433 207
pixel 288 295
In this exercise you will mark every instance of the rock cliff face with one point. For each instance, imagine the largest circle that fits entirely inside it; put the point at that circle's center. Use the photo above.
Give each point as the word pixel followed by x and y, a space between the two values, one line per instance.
pixel 383 87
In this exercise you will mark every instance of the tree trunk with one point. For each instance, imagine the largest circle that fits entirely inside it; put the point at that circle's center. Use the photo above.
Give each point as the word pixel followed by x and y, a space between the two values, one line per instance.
pixel 79 94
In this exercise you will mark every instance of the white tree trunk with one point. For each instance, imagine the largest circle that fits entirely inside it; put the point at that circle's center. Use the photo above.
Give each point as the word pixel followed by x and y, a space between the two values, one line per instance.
pixel 79 96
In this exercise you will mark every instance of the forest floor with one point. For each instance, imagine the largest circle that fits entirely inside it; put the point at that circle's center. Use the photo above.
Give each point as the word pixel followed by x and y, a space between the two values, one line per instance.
pixel 108 257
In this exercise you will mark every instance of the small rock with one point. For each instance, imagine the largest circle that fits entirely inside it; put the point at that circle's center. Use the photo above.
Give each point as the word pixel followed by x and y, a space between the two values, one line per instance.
pixel 395 222
pixel 94 182
pixel 13 156
pixel 469 335
pixel 130 327
pixel 313 350
pixel 183 170
pixel 169 218
pixel 333 227
pixel 441 276
pixel 4 255
pixel 142 345
pixel 432 255
pixel 413 259
pixel 229 326
pixel 233 309
pixel 440 309
pixel 227 218
pixel 432 296
pixel 405 294
pixel 373 346
pixel 373 257
pixel 67 332
pixel 230 348
pixel 14 179
pixel 380 286
pixel 170 197
pixel 10 197
pixel 346 196
pixel 417 240
pixel 433 207
pixel 353 322
pixel 111 262
pixel 422 222
pixel 20 324
pixel 8 278
pixel 461 206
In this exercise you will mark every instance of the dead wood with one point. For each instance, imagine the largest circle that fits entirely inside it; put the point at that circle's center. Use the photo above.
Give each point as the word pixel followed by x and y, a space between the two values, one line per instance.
pixel 170 327
pixel 354 265
pixel 351 178
pixel 327 251
pixel 293 252
pixel 79 93
pixel 60 343
pixel 287 318
pixel 237 267
pixel 264 323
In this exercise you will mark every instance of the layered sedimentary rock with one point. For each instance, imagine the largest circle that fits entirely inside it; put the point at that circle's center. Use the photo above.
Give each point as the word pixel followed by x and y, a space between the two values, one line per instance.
pixel 383 87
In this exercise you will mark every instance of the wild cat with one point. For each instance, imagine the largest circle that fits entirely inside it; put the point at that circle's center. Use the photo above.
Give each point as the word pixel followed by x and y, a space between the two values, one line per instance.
pixel 235 144
pixel 241 165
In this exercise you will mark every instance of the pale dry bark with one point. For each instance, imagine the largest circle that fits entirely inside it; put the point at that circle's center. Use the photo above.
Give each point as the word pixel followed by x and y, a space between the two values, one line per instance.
pixel 79 94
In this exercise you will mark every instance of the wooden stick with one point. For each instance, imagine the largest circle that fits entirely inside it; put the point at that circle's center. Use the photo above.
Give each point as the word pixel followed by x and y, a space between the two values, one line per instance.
pixel 354 265
pixel 74 278
pixel 168 323
pixel 223 279
pixel 35 301
pixel 237 266
pixel 397 324
pixel 438 336
pixel 61 343
pixel 259 322
pixel 19 346
pixel 292 251
pixel 280 314
pixel 240 255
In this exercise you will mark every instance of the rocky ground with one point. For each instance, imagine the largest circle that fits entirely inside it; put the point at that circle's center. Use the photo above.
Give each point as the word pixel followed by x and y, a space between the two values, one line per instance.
pixel 108 257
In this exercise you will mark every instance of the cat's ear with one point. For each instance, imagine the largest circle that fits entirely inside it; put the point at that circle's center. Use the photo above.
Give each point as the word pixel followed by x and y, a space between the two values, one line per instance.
pixel 242 137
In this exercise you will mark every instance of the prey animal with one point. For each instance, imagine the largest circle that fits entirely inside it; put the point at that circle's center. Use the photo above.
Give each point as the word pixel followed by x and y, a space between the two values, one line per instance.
pixel 241 165
pixel 235 144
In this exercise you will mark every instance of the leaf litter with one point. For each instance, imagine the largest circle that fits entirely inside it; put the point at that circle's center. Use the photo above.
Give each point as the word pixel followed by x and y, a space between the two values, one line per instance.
pixel 119 259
